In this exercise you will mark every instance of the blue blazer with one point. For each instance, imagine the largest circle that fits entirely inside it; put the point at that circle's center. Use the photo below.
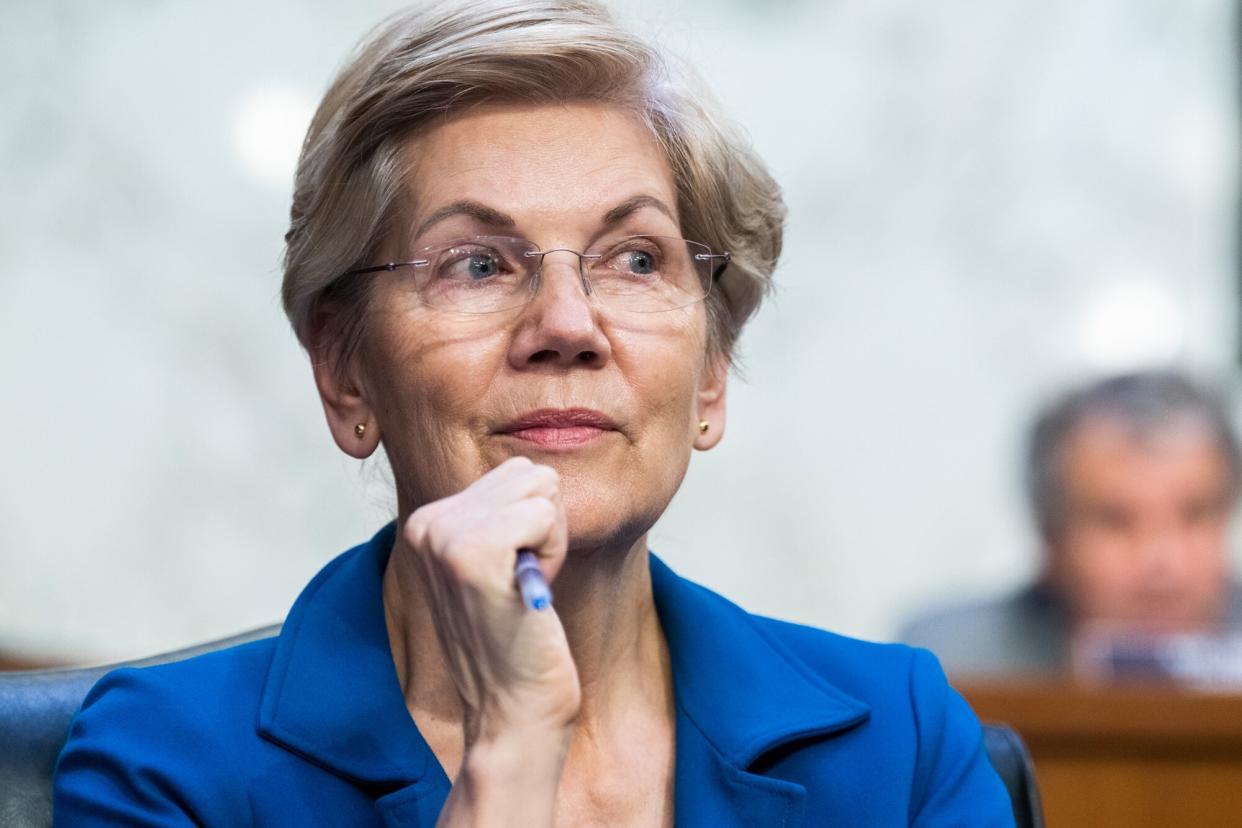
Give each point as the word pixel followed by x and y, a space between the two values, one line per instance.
pixel 777 724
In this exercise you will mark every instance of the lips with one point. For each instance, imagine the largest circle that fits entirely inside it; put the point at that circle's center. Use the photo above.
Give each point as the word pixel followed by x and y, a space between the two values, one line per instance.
pixel 559 427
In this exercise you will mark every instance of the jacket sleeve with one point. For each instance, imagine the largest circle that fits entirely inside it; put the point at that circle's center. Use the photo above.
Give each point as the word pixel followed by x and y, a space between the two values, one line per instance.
pixel 954 782
pixel 134 757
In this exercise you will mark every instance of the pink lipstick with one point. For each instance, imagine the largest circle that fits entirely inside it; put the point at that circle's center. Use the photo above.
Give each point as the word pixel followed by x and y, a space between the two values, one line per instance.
pixel 554 428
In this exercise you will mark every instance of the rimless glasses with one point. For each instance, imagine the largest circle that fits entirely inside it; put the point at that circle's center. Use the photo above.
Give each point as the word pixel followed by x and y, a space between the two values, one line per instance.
pixel 487 274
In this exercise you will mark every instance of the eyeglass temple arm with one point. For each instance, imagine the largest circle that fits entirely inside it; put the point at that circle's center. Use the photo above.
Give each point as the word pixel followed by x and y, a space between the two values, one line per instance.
pixel 386 266
pixel 725 258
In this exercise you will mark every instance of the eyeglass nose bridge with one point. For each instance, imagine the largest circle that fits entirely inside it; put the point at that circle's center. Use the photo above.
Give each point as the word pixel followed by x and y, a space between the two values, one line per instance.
pixel 582 270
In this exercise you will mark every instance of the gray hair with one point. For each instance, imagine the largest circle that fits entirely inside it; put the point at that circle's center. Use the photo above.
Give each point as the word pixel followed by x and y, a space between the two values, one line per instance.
pixel 1148 402
pixel 425 63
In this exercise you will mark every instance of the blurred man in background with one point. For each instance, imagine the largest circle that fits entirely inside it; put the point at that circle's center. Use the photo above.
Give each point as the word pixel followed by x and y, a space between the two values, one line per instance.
pixel 1133 483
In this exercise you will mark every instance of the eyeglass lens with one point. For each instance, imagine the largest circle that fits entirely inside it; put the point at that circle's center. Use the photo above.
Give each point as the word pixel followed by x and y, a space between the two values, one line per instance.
pixel 493 273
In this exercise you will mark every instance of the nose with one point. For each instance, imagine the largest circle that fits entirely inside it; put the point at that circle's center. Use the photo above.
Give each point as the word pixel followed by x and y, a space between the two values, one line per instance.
pixel 560 327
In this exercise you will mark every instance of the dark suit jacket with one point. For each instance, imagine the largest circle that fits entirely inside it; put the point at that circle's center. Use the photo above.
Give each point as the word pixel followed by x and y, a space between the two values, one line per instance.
pixel 777 724
pixel 1024 633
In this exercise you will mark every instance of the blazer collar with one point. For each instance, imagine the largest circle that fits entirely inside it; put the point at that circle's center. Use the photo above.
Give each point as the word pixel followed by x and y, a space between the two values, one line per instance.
pixel 739 694
pixel 744 691
pixel 332 693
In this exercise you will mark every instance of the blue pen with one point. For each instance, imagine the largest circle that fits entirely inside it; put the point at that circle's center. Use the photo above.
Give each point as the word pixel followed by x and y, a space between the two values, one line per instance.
pixel 530 581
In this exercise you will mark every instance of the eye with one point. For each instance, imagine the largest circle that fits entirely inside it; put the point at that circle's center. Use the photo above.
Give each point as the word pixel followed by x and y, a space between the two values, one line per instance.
pixel 480 266
pixel 1109 518
pixel 471 264
pixel 1203 512
pixel 636 257
pixel 640 261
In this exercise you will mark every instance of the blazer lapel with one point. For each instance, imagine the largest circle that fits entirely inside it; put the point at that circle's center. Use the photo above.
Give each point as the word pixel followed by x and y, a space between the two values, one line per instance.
pixel 711 791
pixel 332 694
pixel 739 696
pixel 414 806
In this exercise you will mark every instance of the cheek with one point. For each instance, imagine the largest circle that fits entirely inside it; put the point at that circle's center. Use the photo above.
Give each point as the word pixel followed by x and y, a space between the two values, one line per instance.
pixel 1209 559
pixel 426 389
pixel 665 367
pixel 658 377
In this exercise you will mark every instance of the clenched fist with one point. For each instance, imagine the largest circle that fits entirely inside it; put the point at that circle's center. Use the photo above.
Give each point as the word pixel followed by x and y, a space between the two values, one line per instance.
pixel 512 667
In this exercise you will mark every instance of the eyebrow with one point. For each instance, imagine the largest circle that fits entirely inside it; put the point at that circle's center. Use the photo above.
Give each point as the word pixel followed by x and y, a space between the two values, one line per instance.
pixel 479 212
pixel 495 218
pixel 632 205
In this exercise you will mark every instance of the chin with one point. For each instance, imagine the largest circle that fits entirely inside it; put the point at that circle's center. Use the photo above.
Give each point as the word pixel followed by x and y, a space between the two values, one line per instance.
pixel 604 530
pixel 616 503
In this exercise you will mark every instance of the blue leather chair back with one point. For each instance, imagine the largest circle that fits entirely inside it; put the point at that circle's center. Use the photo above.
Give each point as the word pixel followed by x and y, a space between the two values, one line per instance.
pixel 1013 764
pixel 36 707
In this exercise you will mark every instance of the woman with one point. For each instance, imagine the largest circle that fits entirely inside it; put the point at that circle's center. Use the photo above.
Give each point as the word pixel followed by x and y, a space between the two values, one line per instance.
pixel 521 251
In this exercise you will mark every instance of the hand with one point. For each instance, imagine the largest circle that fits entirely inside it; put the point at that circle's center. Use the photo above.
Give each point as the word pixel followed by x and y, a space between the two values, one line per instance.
pixel 512 667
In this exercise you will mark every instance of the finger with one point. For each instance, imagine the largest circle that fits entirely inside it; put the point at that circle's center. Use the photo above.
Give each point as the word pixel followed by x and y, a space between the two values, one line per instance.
pixel 551 555
pixel 500 475
pixel 478 503
pixel 482 549
pixel 418 524
pixel 516 480
pixel 538 480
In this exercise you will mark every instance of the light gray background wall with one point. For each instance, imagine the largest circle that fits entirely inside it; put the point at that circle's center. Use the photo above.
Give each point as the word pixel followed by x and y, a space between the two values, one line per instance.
pixel 987 200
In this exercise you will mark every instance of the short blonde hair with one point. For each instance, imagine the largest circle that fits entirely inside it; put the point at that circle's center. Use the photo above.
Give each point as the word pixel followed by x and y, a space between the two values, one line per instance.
pixel 427 62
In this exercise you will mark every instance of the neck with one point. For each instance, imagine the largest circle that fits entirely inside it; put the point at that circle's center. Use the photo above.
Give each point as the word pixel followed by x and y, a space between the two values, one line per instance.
pixel 604 600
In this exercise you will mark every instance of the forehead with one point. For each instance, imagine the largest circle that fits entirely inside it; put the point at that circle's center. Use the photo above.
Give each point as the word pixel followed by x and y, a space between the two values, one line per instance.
pixel 1105 455
pixel 565 163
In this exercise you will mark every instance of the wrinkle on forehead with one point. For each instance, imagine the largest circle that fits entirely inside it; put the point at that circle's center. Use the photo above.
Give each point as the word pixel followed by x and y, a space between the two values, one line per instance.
pixel 547 166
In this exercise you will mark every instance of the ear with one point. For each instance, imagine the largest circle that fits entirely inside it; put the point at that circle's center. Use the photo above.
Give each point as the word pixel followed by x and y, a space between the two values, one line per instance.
pixel 345 404
pixel 711 404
